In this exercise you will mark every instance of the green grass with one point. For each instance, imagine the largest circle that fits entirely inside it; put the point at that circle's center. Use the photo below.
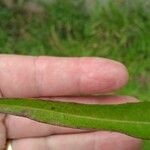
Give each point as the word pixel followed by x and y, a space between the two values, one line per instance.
pixel 119 31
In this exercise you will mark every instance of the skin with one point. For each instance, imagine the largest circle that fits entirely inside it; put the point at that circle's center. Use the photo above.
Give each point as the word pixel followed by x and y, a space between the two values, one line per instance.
pixel 61 78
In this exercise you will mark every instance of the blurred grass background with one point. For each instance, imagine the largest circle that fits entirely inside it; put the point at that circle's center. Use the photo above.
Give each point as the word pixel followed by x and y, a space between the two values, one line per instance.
pixel 115 29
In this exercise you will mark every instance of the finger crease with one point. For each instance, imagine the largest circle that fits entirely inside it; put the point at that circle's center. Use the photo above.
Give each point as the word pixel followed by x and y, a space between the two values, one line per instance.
pixel 79 77
pixel 36 75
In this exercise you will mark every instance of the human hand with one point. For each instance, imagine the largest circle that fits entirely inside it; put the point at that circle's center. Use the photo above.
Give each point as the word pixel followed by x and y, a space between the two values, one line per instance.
pixel 57 78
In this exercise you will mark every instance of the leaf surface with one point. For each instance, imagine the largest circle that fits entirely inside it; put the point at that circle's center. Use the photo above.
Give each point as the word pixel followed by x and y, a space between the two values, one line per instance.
pixel 131 118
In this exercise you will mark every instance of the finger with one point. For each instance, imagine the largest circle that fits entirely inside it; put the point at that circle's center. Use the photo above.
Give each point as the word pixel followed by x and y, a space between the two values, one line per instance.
pixel 23 127
pixel 26 76
pixel 102 99
pixel 84 141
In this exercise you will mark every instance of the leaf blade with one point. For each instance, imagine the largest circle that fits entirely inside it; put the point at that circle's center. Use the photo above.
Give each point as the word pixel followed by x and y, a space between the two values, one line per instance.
pixel 130 118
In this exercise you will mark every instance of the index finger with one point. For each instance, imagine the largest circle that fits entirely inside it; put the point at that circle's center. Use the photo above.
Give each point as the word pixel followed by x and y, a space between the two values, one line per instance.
pixel 28 76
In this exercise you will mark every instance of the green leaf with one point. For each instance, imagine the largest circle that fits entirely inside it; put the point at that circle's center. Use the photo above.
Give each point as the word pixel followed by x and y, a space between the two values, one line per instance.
pixel 131 118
